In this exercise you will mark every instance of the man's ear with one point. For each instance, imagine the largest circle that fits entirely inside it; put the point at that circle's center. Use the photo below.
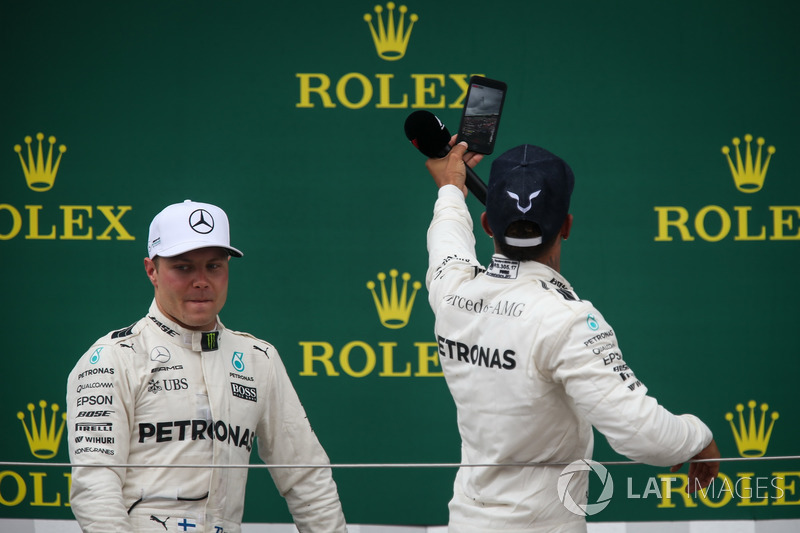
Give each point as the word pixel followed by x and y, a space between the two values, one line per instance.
pixel 151 271
pixel 566 227
pixel 485 224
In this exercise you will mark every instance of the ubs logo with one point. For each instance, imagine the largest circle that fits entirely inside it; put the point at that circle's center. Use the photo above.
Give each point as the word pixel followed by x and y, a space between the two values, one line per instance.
pixel 201 221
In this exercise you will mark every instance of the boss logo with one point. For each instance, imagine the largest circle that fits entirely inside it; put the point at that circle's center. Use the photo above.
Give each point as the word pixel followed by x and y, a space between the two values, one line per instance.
pixel 245 393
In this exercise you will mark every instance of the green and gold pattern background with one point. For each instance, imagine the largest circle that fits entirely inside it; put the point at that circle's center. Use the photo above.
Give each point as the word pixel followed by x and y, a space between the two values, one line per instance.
pixel 285 115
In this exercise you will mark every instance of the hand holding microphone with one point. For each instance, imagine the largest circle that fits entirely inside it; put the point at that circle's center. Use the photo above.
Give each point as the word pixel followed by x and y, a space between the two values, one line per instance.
pixel 427 133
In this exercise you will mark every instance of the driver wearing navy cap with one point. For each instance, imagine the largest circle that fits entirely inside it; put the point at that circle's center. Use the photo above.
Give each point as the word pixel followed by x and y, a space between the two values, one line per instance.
pixel 179 388
pixel 530 365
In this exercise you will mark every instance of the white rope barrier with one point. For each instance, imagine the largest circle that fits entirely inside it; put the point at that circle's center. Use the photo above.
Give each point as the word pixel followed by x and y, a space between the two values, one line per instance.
pixel 383 465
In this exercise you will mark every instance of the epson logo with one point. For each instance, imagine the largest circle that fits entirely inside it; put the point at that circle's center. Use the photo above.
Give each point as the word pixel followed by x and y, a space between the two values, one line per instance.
pixel 245 393
pixel 96 400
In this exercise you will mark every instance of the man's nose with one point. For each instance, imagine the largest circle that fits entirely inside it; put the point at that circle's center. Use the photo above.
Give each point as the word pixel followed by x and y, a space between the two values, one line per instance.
pixel 200 280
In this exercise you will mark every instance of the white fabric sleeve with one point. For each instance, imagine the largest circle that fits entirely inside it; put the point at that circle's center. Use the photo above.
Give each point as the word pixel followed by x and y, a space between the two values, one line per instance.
pixel 451 244
pixel 285 436
pixel 98 394
pixel 588 361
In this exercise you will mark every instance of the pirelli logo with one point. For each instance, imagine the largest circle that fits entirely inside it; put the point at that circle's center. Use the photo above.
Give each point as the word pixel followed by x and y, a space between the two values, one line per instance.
pixel 94 426
pixel 243 392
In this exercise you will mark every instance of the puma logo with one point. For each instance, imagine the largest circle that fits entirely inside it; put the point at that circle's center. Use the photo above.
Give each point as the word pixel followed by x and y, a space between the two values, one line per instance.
pixel 162 522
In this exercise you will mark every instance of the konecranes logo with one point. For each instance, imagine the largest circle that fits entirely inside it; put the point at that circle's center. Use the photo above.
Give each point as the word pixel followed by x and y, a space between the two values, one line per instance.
pixel 714 223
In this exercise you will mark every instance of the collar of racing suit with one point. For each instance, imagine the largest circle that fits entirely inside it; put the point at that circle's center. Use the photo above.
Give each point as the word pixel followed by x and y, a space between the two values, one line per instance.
pixel 505 268
pixel 198 341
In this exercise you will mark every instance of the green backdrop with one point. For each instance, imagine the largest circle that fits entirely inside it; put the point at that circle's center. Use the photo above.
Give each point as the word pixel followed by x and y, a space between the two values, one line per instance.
pixel 286 116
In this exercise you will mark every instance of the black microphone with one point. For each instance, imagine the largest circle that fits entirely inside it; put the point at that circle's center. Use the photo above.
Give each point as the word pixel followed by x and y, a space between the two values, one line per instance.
pixel 430 136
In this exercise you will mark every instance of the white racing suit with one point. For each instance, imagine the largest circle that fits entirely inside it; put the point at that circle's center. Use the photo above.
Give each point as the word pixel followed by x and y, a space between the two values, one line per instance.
pixel 156 393
pixel 532 368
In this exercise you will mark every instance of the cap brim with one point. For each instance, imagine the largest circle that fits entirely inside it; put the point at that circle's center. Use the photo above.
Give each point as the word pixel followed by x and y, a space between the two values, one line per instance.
pixel 190 246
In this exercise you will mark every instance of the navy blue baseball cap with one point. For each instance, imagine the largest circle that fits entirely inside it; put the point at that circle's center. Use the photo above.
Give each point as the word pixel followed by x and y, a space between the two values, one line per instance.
pixel 528 183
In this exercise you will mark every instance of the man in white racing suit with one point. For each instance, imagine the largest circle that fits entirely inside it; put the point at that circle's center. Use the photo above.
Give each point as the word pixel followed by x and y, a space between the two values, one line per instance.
pixel 179 388
pixel 531 367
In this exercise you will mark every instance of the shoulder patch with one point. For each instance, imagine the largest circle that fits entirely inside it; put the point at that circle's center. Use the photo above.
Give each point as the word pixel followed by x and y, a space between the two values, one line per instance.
pixel 127 332
pixel 258 344
pixel 566 294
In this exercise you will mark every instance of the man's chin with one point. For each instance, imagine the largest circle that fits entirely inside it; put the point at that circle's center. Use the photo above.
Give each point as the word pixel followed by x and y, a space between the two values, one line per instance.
pixel 200 314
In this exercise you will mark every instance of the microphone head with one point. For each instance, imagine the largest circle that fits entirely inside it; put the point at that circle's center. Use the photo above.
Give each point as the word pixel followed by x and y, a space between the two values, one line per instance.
pixel 427 133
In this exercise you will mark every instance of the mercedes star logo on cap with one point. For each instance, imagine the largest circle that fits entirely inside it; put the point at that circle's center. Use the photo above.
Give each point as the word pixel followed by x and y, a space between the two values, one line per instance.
pixel 201 221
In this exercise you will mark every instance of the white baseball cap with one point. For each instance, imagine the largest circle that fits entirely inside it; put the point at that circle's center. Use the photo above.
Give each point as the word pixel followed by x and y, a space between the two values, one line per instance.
pixel 187 226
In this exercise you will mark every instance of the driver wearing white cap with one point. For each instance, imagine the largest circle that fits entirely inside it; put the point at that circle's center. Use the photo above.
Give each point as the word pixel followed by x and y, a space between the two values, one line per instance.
pixel 179 388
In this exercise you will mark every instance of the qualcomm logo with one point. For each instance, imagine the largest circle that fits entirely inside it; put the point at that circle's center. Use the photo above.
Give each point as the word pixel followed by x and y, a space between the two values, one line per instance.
pixel 585 509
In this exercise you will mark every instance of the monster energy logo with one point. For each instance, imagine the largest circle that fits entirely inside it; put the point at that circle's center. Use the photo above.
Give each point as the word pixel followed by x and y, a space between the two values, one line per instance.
pixel 210 341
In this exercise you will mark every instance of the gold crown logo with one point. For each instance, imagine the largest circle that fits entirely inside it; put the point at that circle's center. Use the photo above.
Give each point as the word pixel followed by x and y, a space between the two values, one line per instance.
pixel 40 174
pixel 748 175
pixel 391 39
pixel 42 440
pixel 393 310
pixel 751 440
